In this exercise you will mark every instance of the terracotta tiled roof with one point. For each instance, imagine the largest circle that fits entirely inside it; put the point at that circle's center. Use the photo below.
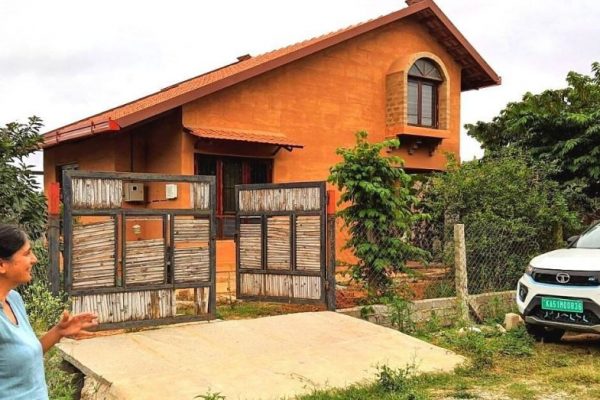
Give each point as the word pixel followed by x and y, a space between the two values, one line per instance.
pixel 127 114
pixel 275 138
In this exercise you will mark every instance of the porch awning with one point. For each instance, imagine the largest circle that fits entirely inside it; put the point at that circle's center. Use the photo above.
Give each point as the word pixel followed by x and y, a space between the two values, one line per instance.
pixel 272 138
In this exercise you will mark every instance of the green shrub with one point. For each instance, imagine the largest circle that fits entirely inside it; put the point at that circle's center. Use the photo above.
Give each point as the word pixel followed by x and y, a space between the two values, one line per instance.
pixel 60 382
pixel 511 210
pixel 400 312
pixel 379 211
pixel 42 306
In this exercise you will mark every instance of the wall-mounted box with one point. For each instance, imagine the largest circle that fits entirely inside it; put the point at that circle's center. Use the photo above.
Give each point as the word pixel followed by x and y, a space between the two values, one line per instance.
pixel 133 191
pixel 171 191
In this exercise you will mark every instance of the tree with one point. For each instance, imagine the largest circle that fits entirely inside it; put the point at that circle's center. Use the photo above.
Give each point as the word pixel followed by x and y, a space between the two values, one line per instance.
pixel 379 210
pixel 561 126
pixel 511 211
pixel 20 199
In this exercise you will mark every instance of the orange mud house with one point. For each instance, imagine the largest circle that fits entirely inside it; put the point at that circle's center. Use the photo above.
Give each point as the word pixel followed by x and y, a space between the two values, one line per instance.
pixel 279 117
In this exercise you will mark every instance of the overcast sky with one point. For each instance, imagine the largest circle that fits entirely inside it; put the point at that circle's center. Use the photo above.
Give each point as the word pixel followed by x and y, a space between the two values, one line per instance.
pixel 66 60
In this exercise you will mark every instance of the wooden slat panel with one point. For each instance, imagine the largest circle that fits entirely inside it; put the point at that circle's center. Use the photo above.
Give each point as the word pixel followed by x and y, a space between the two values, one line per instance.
pixel 126 306
pixel 307 287
pixel 278 285
pixel 191 230
pixel 308 243
pixel 93 255
pixel 250 246
pixel 252 284
pixel 192 264
pixel 290 199
pixel 200 196
pixel 97 193
pixel 145 261
pixel 278 243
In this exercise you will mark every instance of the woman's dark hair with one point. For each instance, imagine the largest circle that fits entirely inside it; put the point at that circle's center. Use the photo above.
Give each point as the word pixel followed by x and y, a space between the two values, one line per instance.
pixel 12 238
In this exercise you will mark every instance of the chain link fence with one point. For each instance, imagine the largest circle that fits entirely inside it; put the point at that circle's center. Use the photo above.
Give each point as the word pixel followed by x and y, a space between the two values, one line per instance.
pixel 496 257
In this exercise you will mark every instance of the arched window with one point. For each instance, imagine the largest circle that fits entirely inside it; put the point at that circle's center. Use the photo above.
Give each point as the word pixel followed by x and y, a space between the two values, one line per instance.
pixel 423 80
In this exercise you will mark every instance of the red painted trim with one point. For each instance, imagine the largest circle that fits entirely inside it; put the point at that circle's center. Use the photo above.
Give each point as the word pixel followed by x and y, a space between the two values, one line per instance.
pixel 54 199
pixel 58 136
pixel 331 206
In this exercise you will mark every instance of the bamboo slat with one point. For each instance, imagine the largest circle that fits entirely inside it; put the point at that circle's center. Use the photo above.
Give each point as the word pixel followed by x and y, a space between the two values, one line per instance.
pixel 187 230
pixel 307 287
pixel 250 246
pixel 201 299
pixel 200 195
pixel 192 264
pixel 93 255
pixel 280 199
pixel 252 284
pixel 278 243
pixel 299 287
pixel 145 261
pixel 308 243
pixel 278 285
pixel 126 306
pixel 97 193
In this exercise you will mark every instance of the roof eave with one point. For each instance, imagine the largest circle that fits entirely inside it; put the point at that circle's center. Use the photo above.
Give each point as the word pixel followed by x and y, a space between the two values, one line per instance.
pixel 57 136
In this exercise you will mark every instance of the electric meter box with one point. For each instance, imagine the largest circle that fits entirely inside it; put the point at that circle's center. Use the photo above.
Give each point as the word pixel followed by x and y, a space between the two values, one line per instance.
pixel 133 191
pixel 171 191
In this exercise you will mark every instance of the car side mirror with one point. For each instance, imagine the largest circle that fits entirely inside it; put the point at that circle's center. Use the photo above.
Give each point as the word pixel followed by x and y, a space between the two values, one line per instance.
pixel 572 239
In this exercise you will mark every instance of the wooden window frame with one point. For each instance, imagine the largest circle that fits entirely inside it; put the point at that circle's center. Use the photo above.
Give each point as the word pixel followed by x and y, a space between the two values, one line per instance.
pixel 434 101
pixel 246 162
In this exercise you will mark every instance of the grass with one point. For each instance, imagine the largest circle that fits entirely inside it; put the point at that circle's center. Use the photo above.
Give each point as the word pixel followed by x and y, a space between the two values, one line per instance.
pixel 62 382
pixel 501 366
pixel 257 309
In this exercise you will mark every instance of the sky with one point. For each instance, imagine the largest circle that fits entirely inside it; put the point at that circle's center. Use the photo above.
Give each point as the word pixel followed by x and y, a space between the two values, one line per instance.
pixel 66 60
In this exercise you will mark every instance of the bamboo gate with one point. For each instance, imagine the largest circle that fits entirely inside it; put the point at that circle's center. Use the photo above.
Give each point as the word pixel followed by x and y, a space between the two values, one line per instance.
pixel 281 243
pixel 126 260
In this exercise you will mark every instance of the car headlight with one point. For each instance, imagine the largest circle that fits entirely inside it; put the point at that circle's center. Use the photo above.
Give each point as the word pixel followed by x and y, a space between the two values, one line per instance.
pixel 529 270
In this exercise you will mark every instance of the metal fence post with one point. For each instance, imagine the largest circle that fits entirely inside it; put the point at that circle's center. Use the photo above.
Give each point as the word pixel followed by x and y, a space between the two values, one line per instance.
pixel 330 262
pixel 460 265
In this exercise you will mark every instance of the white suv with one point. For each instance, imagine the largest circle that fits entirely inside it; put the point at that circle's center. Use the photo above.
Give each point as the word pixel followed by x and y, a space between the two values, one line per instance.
pixel 560 290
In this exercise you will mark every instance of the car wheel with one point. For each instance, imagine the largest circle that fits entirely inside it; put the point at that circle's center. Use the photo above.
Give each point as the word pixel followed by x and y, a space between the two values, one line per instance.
pixel 542 333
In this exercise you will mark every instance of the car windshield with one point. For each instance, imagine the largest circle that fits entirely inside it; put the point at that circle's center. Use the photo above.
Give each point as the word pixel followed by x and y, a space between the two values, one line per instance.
pixel 590 239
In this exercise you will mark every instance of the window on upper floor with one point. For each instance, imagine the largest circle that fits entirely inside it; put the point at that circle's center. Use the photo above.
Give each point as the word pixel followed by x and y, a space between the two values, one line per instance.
pixel 424 78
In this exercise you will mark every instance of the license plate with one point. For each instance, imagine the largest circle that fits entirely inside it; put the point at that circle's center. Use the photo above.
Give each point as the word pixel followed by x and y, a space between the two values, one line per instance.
pixel 565 305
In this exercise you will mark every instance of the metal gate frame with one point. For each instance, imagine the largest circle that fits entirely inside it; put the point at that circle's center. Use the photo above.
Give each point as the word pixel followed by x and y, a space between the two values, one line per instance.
pixel 121 213
pixel 263 215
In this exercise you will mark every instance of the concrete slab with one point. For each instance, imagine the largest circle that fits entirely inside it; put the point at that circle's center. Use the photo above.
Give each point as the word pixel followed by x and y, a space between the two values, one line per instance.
pixel 265 358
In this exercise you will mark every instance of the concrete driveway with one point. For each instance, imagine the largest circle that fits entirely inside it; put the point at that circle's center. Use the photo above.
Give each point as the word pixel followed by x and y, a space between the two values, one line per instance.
pixel 264 358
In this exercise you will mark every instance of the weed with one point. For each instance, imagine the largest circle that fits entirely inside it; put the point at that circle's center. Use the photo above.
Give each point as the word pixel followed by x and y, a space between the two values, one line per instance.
pixel 433 323
pixel 394 380
pixel 60 382
pixel 399 382
pixel 367 311
pixel 211 396
pixel 439 289
pixel 496 308
pixel 462 392
pixel 400 313
pixel 516 343
pixel 520 391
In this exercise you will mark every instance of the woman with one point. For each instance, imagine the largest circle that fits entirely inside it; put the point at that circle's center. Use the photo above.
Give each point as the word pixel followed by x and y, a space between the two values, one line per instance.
pixel 21 360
